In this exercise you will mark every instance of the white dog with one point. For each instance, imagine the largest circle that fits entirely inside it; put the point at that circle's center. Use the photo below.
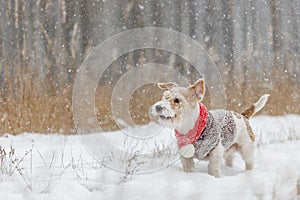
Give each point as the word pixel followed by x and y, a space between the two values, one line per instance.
pixel 202 134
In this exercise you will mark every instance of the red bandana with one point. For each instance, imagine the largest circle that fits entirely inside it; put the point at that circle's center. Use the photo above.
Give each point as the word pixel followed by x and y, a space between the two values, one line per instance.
pixel 196 131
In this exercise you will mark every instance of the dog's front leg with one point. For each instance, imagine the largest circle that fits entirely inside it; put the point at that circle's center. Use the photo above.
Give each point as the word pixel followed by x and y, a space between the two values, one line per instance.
pixel 187 164
pixel 215 161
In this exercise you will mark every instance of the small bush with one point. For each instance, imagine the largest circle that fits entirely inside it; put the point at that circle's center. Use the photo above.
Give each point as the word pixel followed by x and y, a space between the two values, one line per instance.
pixel 9 163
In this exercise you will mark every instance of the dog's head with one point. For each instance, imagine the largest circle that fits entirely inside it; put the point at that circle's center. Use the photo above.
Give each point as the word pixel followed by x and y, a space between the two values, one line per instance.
pixel 178 103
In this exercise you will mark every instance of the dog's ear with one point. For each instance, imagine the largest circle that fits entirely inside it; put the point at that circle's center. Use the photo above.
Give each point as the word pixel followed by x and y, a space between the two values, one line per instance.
pixel 198 89
pixel 164 86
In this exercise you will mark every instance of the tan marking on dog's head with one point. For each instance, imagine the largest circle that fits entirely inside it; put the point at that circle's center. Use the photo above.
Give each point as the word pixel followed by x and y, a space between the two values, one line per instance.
pixel 180 96
pixel 179 101
pixel 176 97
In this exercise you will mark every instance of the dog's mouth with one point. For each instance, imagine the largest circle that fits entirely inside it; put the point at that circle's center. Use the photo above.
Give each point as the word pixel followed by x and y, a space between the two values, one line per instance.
pixel 167 117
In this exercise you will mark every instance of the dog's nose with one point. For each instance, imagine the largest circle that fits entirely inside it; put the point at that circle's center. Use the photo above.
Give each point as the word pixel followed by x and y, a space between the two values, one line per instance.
pixel 158 108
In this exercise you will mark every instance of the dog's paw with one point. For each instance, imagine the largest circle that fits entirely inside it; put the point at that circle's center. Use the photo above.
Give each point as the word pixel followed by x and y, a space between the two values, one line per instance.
pixel 249 166
pixel 188 170
pixel 216 174
pixel 229 163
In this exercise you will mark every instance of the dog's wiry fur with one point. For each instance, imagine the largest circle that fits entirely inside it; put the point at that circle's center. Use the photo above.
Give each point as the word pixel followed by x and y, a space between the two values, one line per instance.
pixel 226 132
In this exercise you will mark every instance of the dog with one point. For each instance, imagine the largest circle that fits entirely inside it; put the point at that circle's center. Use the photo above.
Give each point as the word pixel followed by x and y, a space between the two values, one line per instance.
pixel 203 134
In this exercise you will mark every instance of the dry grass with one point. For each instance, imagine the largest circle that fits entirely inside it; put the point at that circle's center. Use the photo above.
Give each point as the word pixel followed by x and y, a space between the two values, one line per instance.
pixel 29 103
pixel 38 68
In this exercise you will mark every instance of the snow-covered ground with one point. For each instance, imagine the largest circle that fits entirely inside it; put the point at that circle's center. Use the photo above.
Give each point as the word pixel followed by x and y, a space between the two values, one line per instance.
pixel 59 167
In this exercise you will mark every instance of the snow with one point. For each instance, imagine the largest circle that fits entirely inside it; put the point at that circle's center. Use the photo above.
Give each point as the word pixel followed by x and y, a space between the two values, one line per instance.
pixel 59 167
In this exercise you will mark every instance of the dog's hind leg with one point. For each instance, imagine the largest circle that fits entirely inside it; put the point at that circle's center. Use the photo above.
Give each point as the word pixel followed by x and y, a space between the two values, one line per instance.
pixel 247 153
pixel 229 155
pixel 245 141
pixel 215 160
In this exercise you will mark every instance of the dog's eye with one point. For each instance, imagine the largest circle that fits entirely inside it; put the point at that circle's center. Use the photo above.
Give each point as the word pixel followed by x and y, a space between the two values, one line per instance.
pixel 176 100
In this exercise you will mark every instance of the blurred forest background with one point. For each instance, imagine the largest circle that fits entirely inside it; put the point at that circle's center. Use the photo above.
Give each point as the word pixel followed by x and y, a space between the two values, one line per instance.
pixel 254 43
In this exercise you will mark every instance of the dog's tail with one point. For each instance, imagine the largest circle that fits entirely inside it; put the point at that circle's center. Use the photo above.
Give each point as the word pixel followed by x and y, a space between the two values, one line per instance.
pixel 256 106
